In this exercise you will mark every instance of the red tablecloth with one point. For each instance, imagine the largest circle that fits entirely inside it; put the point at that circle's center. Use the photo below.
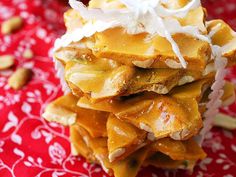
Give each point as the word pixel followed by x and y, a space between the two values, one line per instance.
pixel 29 146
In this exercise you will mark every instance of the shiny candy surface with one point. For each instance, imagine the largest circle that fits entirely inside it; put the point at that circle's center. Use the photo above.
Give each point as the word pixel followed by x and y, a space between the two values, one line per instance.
pixel 30 146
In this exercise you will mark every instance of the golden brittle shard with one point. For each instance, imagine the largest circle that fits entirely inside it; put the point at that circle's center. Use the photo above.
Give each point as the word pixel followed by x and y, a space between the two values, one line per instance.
pixel 146 80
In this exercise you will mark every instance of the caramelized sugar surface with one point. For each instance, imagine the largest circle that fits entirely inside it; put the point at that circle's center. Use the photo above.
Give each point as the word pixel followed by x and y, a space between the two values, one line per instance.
pixel 103 78
pixel 140 47
pixel 179 150
pixel 164 115
pixel 123 136
pixel 225 37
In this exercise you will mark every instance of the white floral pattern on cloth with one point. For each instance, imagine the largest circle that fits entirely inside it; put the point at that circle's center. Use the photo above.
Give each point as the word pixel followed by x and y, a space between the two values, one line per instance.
pixel 30 146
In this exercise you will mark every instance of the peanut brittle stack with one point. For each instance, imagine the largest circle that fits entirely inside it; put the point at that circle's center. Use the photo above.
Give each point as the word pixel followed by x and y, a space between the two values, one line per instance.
pixel 143 81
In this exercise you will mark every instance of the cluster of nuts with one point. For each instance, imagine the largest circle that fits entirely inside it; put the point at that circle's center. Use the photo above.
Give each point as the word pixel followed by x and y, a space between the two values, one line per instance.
pixel 22 75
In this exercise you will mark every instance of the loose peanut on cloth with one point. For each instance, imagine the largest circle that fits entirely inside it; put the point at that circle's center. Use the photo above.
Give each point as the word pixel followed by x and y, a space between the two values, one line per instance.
pixel 28 54
pixel 6 61
pixel 11 25
pixel 225 121
pixel 19 78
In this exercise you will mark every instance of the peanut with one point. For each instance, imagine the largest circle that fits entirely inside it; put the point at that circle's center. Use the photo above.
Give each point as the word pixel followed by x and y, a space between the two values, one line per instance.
pixel 19 78
pixel 54 113
pixel 6 61
pixel 28 54
pixel 116 153
pixel 225 121
pixel 11 25
pixel 185 80
pixel 173 64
